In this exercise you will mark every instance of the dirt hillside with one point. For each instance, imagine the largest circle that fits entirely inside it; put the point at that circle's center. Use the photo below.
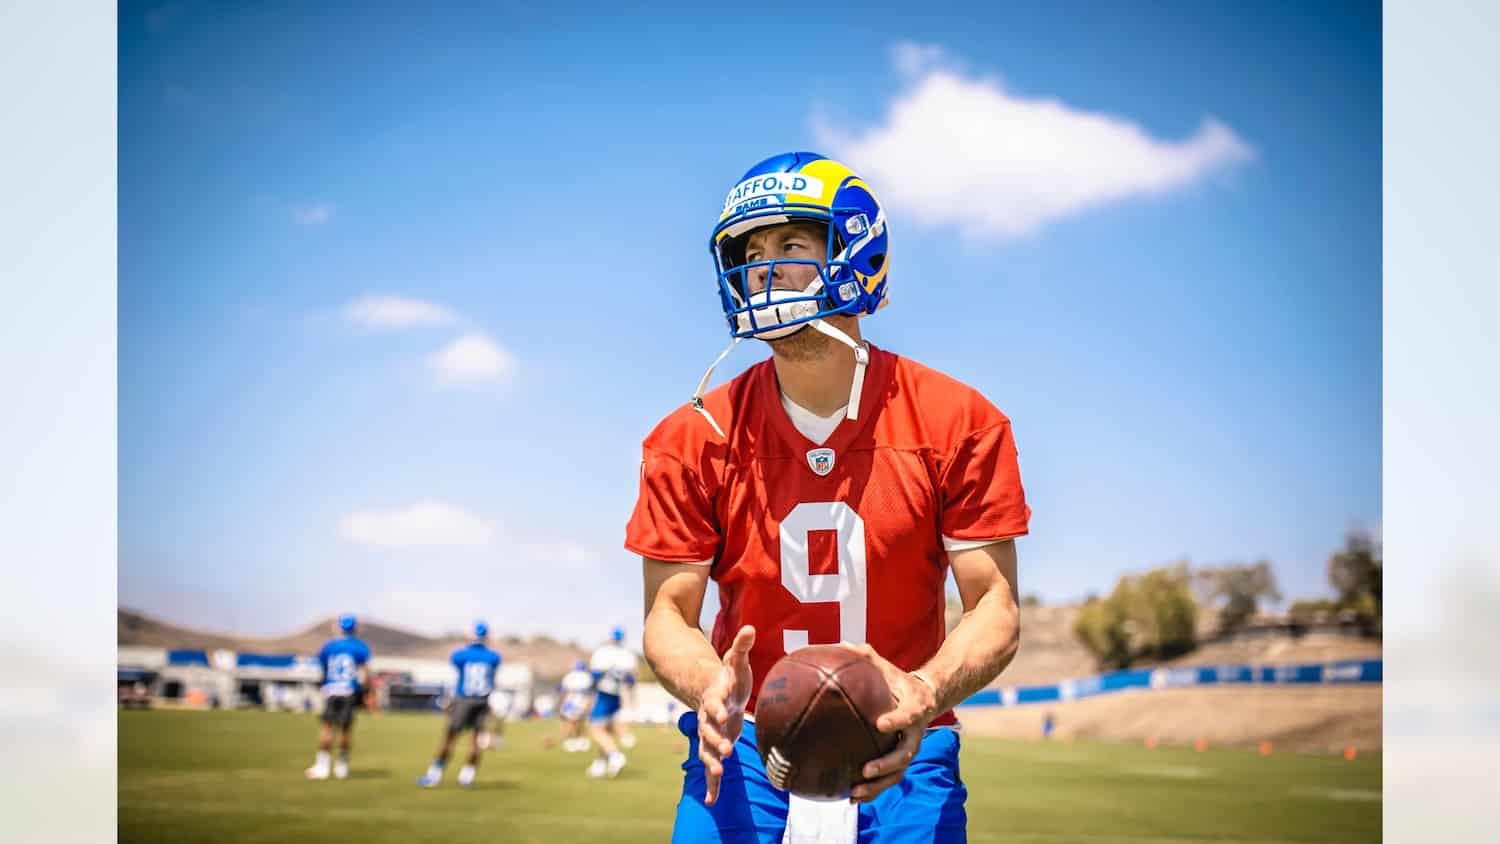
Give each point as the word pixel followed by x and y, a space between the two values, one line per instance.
pixel 1323 719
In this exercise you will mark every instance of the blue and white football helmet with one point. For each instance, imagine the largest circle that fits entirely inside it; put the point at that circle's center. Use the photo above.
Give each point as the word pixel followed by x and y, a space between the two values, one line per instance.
pixel 806 187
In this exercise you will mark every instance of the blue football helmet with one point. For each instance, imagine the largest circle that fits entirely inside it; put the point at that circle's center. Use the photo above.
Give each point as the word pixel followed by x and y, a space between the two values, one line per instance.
pixel 347 623
pixel 805 187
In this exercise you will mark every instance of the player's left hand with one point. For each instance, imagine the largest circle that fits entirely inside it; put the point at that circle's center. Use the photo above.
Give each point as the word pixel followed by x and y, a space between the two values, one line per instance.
pixel 916 706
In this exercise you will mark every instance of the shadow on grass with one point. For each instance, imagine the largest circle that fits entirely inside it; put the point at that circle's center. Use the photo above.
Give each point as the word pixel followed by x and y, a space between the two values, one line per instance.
pixel 370 774
pixel 494 785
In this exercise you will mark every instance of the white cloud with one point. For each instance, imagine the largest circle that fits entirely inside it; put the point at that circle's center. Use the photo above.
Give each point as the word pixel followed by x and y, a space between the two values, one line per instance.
pixel 312 215
pixel 473 357
pixel 396 312
pixel 915 59
pixel 963 151
pixel 427 523
pixel 563 555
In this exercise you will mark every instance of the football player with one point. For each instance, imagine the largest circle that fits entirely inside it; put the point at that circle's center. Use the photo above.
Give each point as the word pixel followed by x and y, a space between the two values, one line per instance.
pixel 613 670
pixel 827 491
pixel 346 677
pixel 503 704
pixel 574 691
pixel 476 664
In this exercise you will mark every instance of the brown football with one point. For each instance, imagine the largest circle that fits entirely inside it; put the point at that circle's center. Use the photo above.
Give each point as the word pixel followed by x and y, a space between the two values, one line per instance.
pixel 815 720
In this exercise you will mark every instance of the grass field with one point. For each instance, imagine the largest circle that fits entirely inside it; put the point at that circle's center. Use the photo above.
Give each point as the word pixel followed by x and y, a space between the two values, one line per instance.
pixel 237 777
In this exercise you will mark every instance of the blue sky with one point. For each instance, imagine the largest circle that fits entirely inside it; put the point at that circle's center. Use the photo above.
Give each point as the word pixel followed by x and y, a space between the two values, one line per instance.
pixel 400 293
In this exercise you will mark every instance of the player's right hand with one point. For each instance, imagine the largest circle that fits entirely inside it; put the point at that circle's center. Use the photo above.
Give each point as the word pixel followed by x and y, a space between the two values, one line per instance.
pixel 721 713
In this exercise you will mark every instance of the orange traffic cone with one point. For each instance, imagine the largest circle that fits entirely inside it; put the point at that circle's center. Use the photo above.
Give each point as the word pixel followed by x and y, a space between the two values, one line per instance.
pixel 1265 748
pixel 1350 752
pixel 1200 745
pixel 1151 743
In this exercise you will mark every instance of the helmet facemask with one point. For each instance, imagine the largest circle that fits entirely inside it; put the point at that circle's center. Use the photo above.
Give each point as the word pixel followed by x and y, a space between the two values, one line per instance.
pixel 776 310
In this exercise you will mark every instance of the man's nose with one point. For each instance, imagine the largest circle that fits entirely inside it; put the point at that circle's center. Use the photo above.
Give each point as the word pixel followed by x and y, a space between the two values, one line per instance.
pixel 758 278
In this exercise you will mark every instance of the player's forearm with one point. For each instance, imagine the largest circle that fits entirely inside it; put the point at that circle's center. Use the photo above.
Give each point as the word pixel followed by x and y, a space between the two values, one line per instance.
pixel 683 660
pixel 979 648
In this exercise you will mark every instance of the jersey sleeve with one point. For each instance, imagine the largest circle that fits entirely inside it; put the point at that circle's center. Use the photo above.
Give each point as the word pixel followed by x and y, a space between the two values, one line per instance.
pixel 674 518
pixel 982 498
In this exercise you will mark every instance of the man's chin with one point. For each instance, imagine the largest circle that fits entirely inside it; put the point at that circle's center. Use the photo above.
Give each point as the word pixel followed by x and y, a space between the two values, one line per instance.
pixel 780 338
pixel 804 344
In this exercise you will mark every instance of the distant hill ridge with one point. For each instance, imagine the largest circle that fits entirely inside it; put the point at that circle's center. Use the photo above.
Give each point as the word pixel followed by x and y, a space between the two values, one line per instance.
pixel 547 656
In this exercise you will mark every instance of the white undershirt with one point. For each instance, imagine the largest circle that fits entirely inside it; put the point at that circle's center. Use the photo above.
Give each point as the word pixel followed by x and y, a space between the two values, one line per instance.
pixel 811 425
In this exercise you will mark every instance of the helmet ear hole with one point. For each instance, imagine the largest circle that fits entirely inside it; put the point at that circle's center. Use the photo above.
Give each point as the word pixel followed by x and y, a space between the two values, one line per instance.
pixel 876 262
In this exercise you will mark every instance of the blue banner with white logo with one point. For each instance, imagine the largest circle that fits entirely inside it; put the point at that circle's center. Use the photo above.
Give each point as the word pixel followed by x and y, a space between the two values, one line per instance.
pixel 187 657
pixel 245 660
pixel 1342 672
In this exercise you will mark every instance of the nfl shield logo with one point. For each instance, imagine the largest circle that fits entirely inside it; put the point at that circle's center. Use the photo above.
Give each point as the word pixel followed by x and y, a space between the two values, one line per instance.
pixel 821 460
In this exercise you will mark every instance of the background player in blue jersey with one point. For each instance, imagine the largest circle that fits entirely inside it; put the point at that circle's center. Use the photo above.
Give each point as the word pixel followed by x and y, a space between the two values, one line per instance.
pixel 345 662
pixel 476 663
pixel 575 692
pixel 613 668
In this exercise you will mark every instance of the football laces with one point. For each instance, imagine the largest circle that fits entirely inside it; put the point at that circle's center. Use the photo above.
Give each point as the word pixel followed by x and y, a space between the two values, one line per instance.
pixel 778 769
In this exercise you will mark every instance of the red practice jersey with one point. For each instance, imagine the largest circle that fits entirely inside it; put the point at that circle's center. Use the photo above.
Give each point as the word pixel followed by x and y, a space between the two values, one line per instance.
pixel 842 541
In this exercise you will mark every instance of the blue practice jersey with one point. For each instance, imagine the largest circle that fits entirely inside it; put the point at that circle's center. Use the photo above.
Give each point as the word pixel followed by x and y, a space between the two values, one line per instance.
pixel 476 666
pixel 340 660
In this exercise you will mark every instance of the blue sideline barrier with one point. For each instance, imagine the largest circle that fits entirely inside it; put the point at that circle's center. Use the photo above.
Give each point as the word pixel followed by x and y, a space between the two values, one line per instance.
pixel 265 660
pixel 1342 672
pixel 187 657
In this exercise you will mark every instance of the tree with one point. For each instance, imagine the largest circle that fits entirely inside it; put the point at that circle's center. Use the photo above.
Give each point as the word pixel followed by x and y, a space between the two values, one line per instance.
pixel 1166 614
pixel 1103 627
pixel 1236 590
pixel 1311 611
pixel 1355 572
pixel 1031 599
pixel 1149 615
